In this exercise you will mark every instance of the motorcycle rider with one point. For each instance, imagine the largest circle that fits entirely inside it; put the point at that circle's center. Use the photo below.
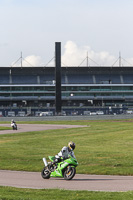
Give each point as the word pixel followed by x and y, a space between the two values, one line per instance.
pixel 13 124
pixel 64 153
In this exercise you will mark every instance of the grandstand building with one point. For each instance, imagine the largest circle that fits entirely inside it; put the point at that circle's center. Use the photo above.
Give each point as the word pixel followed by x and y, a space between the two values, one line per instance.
pixel 32 89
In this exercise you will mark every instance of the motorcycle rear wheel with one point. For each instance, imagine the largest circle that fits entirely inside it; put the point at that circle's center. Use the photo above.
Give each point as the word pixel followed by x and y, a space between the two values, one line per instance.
pixel 45 173
pixel 69 174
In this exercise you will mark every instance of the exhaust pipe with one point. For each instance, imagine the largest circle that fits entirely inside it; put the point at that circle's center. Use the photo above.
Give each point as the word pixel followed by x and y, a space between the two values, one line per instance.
pixel 45 162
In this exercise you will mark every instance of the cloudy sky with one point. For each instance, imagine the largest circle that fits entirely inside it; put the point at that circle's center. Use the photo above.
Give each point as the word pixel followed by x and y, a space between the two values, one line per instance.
pixel 97 28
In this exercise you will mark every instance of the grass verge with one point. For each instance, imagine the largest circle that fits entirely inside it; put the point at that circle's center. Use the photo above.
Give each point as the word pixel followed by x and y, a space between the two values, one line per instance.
pixel 2 128
pixel 9 193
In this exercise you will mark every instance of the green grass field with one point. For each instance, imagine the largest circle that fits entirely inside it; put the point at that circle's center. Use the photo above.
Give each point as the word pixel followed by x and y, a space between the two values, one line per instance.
pixel 8 193
pixel 104 147
pixel 4 128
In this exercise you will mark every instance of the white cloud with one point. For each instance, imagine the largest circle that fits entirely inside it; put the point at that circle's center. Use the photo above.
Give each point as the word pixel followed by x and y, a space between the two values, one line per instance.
pixel 29 61
pixel 32 61
pixel 74 56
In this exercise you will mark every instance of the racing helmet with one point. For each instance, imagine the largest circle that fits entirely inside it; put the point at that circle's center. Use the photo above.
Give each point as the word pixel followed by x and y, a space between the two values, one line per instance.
pixel 71 145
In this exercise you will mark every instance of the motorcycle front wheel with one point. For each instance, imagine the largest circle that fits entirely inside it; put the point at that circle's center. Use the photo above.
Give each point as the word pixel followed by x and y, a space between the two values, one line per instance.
pixel 69 173
pixel 45 173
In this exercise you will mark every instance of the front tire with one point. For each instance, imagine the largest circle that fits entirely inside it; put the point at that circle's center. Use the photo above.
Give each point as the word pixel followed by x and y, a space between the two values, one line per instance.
pixel 45 173
pixel 69 173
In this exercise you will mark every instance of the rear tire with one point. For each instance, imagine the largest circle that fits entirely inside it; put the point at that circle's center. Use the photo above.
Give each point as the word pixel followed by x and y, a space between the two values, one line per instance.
pixel 45 173
pixel 69 173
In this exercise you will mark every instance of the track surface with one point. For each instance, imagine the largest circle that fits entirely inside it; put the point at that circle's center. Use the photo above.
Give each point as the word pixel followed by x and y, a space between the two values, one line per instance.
pixel 36 127
pixel 80 181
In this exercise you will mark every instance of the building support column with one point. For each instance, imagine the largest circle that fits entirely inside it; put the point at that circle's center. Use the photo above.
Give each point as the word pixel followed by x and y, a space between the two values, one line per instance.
pixel 58 101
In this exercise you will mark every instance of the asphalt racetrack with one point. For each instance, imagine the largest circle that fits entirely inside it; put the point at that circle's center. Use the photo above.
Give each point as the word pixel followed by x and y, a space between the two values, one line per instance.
pixel 79 182
pixel 36 127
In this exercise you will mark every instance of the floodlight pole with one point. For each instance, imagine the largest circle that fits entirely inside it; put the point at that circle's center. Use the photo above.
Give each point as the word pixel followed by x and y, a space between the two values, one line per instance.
pixel 21 57
pixel 119 59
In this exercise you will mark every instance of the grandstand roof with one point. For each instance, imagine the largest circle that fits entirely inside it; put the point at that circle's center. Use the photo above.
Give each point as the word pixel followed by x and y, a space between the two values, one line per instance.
pixel 73 70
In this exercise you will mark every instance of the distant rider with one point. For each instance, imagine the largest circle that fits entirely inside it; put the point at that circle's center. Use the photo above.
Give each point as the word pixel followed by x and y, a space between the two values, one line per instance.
pixel 13 125
pixel 64 153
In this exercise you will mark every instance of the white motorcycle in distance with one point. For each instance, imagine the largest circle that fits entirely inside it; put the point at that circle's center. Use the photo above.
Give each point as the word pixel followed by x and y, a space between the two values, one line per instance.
pixel 13 125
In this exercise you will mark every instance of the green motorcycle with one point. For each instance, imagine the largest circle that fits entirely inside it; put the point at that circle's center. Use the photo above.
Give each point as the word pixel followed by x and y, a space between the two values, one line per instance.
pixel 65 169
